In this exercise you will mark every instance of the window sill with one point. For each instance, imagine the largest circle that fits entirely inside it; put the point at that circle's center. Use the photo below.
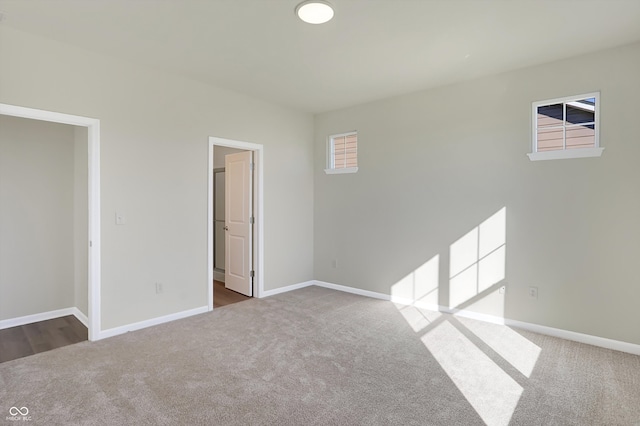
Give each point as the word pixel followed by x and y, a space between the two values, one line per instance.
pixel 341 171
pixel 566 154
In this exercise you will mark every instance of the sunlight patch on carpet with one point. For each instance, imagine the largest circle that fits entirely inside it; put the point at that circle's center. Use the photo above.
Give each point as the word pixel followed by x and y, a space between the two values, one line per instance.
pixel 490 391
pixel 418 319
pixel 510 345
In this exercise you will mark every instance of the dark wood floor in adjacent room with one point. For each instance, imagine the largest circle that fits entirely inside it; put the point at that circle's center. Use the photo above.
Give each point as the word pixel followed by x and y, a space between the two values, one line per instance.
pixel 29 339
pixel 223 296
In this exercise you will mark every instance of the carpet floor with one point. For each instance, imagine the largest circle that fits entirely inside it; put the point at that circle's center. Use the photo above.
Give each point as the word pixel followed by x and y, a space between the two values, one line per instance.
pixel 320 357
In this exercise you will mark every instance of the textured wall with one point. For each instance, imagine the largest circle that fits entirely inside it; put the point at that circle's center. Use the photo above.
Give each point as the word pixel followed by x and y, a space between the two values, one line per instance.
pixel 154 147
pixel 437 168
pixel 36 217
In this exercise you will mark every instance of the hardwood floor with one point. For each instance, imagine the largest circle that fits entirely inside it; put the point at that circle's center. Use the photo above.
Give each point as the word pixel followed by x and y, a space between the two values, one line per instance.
pixel 29 339
pixel 223 296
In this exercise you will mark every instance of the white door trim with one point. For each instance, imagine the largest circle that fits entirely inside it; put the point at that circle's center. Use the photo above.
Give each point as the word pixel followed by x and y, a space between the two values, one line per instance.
pixel 258 236
pixel 93 160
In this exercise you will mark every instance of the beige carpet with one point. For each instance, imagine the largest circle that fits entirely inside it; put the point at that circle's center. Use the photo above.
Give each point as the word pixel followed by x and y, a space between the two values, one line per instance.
pixel 320 357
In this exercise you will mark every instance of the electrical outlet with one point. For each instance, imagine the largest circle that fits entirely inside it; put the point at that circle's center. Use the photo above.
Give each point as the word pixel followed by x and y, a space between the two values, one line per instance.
pixel 158 288
pixel 533 292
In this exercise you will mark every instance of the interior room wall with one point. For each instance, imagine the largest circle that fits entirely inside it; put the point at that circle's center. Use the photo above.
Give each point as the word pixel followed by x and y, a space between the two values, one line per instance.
pixel 36 217
pixel 154 158
pixel 443 171
pixel 81 219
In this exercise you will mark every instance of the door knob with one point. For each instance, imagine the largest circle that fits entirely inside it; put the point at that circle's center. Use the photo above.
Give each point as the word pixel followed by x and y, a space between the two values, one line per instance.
pixel 226 228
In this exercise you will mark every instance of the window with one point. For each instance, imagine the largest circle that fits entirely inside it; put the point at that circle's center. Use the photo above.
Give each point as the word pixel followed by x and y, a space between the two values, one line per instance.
pixel 342 153
pixel 566 128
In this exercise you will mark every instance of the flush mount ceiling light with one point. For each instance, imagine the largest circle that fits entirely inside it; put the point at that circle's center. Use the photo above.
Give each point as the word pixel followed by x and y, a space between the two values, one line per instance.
pixel 314 11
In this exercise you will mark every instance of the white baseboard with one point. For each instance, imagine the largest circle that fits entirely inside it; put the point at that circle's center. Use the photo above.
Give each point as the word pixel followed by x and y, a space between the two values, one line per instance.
pixel 352 290
pixel 267 293
pixel 602 342
pixel 151 322
pixel 81 317
pixel 473 315
pixel 43 316
pixel 218 276
pixel 376 295
pixel 418 304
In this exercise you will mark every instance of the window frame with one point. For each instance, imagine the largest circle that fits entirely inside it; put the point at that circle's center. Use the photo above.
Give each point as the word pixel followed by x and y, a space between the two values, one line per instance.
pixel 330 164
pixel 565 153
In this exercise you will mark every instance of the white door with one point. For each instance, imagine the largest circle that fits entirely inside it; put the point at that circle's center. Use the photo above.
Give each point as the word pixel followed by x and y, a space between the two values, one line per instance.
pixel 238 227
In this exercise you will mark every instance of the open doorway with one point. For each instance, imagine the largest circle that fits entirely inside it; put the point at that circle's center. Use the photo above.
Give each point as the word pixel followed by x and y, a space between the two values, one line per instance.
pixel 84 225
pixel 224 292
pixel 235 233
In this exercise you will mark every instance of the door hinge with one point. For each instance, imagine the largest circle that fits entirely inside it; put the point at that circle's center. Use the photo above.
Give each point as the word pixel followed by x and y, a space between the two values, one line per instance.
pixel 252 220
pixel 90 243
pixel 252 274
pixel 252 166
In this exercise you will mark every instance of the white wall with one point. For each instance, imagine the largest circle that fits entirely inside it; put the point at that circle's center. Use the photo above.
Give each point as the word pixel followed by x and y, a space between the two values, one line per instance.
pixel 435 165
pixel 154 144
pixel 36 217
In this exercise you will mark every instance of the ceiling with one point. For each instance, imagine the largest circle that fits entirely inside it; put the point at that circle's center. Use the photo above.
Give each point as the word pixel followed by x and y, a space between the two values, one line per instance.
pixel 372 49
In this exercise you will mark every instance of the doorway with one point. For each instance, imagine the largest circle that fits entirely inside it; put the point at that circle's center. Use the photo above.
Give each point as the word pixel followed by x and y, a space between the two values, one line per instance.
pixel 224 291
pixel 92 239
pixel 219 146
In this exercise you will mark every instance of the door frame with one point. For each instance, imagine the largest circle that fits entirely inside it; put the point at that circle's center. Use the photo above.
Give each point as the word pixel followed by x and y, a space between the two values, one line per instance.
pixel 216 271
pixel 258 203
pixel 93 183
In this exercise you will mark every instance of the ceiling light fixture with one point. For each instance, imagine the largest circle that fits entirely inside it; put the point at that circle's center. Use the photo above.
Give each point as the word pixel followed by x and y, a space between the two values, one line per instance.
pixel 314 11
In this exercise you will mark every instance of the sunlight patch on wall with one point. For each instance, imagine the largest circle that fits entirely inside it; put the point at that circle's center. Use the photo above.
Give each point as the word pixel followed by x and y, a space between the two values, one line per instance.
pixel 490 304
pixel 420 287
pixel 463 286
pixel 491 269
pixel 490 391
pixel 478 259
pixel 510 345
pixel 463 253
